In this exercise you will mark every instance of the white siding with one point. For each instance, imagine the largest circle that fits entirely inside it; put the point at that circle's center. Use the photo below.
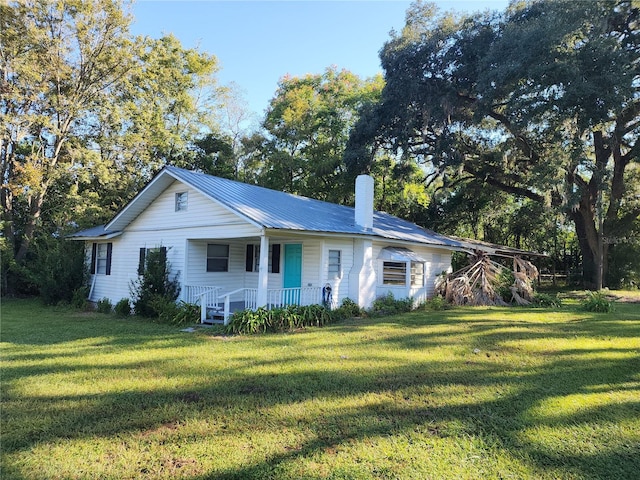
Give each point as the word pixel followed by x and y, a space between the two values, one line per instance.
pixel 187 233
pixel 438 260
pixel 339 286
pixel 161 225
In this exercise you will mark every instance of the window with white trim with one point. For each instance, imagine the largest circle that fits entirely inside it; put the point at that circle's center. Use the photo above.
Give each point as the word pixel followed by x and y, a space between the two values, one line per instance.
pixel 394 273
pixel 335 264
pixel 402 267
pixel 417 274
pixel 182 199
pixel 217 257
pixel 101 259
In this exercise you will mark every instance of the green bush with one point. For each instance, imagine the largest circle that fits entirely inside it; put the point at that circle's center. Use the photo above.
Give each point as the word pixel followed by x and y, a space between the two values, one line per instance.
pixel 123 308
pixel 80 298
pixel 347 309
pixel 436 303
pixel 154 293
pixel 57 268
pixel 104 306
pixel 546 300
pixel 597 302
pixel 388 305
pixel 279 319
pixel 506 279
pixel 186 314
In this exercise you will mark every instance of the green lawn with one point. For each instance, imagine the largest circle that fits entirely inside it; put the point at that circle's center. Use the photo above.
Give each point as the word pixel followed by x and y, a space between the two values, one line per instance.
pixel 466 393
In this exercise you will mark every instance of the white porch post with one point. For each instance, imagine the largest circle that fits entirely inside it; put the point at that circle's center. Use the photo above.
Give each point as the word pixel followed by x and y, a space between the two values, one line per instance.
pixel 263 272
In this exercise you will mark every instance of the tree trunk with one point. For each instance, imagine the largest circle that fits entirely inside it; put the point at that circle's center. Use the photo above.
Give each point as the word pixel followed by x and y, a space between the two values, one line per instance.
pixel 35 210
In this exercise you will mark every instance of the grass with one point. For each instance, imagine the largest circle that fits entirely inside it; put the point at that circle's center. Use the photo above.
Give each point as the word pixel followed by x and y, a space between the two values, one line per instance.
pixel 463 393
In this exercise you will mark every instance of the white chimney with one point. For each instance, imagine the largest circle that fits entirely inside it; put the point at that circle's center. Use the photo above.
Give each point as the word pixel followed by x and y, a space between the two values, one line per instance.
pixel 364 201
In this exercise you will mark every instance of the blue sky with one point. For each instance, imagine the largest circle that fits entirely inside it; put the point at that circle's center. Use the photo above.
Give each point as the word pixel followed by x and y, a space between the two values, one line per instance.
pixel 258 42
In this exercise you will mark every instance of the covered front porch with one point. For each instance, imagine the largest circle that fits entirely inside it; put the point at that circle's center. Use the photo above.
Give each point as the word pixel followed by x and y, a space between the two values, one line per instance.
pixel 216 305
pixel 227 275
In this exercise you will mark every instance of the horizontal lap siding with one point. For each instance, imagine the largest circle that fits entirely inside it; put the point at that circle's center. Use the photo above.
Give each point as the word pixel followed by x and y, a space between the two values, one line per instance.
pixel 438 260
pixel 197 266
pixel 160 225
pixel 340 286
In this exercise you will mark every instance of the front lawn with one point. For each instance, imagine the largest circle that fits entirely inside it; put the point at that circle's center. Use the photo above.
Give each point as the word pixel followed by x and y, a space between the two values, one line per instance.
pixel 465 393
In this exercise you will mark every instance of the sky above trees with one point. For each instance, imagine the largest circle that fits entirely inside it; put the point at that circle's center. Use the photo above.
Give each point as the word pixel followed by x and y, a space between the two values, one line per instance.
pixel 258 42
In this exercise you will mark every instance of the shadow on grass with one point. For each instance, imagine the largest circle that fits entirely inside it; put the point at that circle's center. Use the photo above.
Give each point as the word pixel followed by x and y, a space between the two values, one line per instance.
pixel 404 389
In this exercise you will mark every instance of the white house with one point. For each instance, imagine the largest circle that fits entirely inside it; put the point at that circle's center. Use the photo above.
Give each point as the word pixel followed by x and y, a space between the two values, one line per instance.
pixel 234 245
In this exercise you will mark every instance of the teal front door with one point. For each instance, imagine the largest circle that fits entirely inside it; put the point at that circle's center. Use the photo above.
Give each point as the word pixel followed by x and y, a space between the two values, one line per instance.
pixel 292 274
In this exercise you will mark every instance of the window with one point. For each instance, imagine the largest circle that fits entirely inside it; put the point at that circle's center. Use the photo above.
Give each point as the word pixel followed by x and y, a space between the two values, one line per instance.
pixel 335 266
pixel 252 258
pixel 181 201
pixel 142 260
pixel 101 258
pixel 394 273
pixel 417 274
pixel 217 257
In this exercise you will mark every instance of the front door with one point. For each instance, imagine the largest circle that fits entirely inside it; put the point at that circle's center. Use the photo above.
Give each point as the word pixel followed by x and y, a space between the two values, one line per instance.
pixel 292 273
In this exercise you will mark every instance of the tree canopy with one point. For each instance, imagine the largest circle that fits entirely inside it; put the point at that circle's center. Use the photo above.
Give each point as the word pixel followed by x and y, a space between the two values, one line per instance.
pixel 541 102
pixel 88 112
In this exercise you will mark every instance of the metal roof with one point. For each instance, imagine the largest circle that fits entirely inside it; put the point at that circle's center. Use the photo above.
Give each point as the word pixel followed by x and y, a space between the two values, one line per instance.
pixel 275 210
pixel 98 232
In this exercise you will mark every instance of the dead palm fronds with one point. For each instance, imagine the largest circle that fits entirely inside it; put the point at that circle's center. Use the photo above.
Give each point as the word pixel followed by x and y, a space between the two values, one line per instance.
pixel 479 283
pixel 525 273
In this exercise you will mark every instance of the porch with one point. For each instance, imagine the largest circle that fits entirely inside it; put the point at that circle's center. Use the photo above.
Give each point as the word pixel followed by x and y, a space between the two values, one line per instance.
pixel 217 305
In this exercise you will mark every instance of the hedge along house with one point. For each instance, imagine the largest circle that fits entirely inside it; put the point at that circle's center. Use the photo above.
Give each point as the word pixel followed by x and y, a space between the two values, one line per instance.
pixel 234 246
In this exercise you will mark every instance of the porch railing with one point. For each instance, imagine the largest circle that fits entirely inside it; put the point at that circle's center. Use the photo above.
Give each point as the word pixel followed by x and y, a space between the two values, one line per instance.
pixel 193 293
pixel 249 297
pixel 282 297
pixel 211 298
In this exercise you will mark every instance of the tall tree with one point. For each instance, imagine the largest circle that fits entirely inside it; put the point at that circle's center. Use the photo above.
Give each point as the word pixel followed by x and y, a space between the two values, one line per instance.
pixel 308 123
pixel 541 102
pixel 88 113
pixel 58 61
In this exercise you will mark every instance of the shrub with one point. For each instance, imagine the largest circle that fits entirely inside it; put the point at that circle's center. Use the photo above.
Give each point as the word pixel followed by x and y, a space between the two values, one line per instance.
pixel 58 269
pixel 597 302
pixel 347 309
pixel 436 303
pixel 123 308
pixel 279 319
pixel 546 300
pixel 80 298
pixel 104 306
pixel 154 292
pixel 161 307
pixel 186 314
pixel 388 305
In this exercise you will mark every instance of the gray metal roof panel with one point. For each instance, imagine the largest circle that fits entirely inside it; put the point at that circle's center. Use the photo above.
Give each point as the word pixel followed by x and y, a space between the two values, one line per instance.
pixel 279 210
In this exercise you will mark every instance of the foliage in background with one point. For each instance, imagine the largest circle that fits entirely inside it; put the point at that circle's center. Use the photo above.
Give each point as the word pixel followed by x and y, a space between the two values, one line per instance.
pixel 80 298
pixel 88 113
pixel 155 292
pixel 57 269
pixel 546 300
pixel 539 102
pixel 597 302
